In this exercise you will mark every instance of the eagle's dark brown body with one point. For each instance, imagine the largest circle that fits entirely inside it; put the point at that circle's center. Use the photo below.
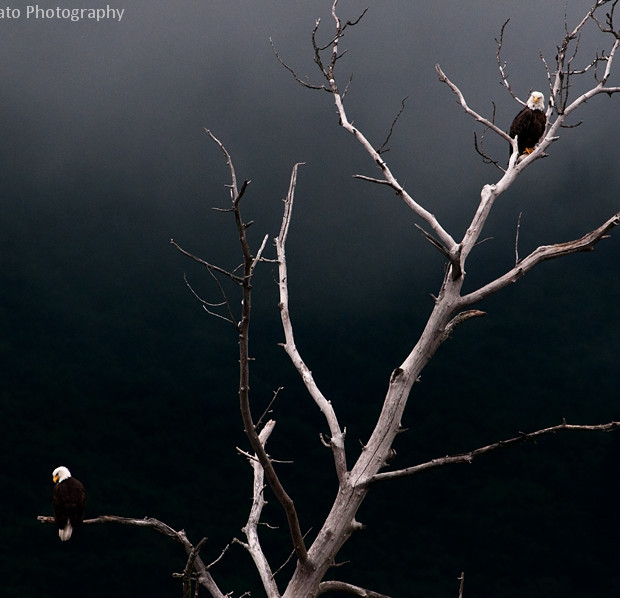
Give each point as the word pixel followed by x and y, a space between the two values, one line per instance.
pixel 69 500
pixel 528 126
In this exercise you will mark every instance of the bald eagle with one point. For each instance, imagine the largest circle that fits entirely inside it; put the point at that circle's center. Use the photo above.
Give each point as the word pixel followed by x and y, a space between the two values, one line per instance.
pixel 529 125
pixel 69 500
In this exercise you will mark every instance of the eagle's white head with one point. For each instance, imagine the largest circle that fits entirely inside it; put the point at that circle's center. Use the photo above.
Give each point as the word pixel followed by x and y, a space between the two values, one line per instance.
pixel 60 474
pixel 536 101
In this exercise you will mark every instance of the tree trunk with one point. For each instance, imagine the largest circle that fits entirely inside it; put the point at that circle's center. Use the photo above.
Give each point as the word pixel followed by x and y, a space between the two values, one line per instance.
pixel 354 486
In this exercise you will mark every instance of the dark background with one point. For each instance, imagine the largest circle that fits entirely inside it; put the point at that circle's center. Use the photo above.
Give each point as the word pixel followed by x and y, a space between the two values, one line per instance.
pixel 112 368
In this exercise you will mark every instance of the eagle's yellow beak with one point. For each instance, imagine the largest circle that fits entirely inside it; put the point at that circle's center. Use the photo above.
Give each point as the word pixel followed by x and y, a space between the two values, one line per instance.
pixel 55 478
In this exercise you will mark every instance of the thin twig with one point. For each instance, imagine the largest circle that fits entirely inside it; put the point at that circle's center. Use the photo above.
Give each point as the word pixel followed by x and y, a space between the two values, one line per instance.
pixel 502 65
pixel 381 149
pixel 268 408
pixel 233 277
pixel 288 559
pixel 517 239
pixel 219 558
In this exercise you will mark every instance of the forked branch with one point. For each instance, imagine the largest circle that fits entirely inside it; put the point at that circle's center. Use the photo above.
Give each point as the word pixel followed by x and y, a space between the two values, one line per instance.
pixel 204 576
pixel 328 70
pixel 250 261
pixel 541 254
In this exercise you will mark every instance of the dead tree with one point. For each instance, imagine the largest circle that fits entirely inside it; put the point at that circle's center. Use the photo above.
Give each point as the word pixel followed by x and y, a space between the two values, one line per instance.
pixel 358 469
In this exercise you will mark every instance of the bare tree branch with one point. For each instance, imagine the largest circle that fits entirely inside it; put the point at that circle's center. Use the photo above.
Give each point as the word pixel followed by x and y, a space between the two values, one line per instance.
pixel 347 588
pixel 502 65
pixel 189 286
pixel 449 310
pixel 541 254
pixel 220 557
pixel 381 149
pixel 250 529
pixel 209 266
pixel 204 577
pixel 243 327
pixel 560 83
pixel 268 408
pixel 459 319
pixel 208 307
pixel 303 82
pixel 250 262
pixel 517 238
pixel 609 26
pixel 370 179
pixel 234 194
pixel 337 435
pixel 434 242
pixel 447 313
pixel 471 455
pixel 189 568
pixel 450 246
pixel 442 235
pixel 328 71
pixel 479 147
pixel 481 119
pixel 288 559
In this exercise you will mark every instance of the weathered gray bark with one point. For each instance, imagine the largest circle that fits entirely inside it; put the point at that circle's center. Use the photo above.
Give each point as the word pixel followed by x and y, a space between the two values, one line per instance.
pixel 450 309
pixel 450 306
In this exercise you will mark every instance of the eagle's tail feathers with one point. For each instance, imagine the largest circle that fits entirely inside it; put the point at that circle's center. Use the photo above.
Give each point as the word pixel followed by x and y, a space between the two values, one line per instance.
pixel 65 533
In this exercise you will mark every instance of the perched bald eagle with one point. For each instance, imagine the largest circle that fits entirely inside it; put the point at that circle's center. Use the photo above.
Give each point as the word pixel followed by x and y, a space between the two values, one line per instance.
pixel 529 125
pixel 69 500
